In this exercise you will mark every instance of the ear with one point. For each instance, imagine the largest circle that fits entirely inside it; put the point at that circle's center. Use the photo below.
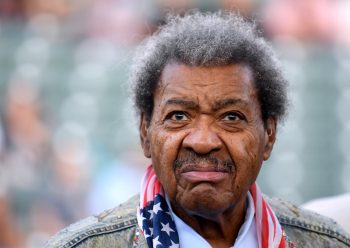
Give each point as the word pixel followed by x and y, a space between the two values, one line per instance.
pixel 270 136
pixel 144 136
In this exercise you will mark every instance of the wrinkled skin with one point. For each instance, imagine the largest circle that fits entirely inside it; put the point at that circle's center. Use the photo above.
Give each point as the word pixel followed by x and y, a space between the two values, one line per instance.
pixel 207 142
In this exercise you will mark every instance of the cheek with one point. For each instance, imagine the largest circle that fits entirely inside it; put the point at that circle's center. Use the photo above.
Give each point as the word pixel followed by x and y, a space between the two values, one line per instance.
pixel 163 147
pixel 247 153
pixel 164 150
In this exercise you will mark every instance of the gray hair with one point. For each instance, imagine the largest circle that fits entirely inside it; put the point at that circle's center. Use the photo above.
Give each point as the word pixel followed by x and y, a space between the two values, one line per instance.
pixel 209 39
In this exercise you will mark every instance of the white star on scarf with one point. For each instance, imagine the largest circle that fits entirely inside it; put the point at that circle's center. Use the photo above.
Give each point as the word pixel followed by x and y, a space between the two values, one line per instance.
pixel 142 218
pixel 151 213
pixel 157 208
pixel 173 245
pixel 156 242
pixel 150 232
pixel 166 228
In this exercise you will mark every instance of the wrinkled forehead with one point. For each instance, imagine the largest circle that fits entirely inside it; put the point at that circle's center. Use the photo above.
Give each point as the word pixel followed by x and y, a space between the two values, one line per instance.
pixel 235 80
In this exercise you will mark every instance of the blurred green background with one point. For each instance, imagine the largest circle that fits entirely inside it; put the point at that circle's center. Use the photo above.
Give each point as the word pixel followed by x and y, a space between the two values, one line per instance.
pixel 68 137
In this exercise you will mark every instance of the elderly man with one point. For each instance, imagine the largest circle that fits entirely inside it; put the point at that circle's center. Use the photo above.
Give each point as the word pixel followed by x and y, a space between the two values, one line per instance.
pixel 209 97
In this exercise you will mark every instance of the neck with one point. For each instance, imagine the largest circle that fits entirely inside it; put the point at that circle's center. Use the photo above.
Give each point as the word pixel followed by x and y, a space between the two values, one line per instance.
pixel 219 229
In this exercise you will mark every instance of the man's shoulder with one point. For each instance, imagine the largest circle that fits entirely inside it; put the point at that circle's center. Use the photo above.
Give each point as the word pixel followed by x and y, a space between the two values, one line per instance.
pixel 306 228
pixel 117 226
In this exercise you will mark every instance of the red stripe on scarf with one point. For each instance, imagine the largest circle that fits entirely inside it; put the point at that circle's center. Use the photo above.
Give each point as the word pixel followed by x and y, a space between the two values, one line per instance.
pixel 253 192
pixel 149 187
pixel 157 188
pixel 273 220
pixel 265 226
pixel 282 244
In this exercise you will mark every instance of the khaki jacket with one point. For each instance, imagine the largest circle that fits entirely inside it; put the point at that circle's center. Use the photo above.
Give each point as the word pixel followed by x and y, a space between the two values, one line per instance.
pixel 118 228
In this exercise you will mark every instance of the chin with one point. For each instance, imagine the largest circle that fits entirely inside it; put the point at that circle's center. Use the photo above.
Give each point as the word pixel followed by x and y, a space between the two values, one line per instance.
pixel 205 203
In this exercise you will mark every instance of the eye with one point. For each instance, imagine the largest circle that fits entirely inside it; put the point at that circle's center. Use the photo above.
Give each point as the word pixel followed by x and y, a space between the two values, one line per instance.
pixel 177 116
pixel 232 116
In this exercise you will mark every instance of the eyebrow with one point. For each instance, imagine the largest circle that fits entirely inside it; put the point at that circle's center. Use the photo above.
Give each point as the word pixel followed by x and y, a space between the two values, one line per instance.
pixel 181 102
pixel 217 105
pixel 227 102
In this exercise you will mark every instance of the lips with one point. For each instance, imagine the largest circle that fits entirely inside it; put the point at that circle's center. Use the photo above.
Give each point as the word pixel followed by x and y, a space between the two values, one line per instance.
pixel 196 174
pixel 204 176
pixel 194 167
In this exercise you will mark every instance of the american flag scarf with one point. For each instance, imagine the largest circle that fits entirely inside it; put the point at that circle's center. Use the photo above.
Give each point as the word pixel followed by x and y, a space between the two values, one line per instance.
pixel 158 227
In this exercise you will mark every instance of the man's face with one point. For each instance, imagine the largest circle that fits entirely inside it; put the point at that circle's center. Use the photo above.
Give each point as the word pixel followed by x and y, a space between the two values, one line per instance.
pixel 206 137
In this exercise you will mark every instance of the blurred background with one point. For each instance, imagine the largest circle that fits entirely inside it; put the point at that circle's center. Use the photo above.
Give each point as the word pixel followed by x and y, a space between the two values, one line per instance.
pixel 68 137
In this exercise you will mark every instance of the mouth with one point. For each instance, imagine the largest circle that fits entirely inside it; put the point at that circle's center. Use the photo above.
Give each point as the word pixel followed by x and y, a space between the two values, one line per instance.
pixel 197 174
pixel 204 176
pixel 196 168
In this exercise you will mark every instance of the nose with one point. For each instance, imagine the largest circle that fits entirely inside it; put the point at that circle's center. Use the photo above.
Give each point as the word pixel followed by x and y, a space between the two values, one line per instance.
pixel 202 139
